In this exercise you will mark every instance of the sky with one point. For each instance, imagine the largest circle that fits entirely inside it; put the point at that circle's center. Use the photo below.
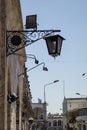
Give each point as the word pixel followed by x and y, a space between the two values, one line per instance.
pixel 69 16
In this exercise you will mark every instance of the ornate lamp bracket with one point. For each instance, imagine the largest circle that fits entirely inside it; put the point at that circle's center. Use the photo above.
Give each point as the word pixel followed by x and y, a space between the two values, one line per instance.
pixel 16 40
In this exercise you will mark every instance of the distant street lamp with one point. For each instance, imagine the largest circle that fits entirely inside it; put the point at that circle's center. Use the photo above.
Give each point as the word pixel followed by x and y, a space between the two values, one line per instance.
pixel 45 104
pixel 81 95
pixel 55 81
pixel 77 93
pixel 84 74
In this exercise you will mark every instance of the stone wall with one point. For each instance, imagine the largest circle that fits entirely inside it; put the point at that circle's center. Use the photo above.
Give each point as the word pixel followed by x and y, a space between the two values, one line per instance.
pixel 10 66
pixel 2 62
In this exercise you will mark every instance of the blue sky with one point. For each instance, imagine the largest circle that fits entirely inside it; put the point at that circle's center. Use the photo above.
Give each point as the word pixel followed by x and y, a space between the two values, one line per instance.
pixel 70 17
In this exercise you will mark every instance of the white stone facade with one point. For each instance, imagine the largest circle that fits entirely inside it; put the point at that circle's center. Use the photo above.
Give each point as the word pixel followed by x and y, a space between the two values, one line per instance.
pixel 74 107
pixel 55 122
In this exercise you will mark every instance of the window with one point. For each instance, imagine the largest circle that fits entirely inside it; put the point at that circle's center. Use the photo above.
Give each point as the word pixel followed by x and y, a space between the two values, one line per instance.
pixel 49 123
pixel 84 127
pixel 54 123
pixel 59 123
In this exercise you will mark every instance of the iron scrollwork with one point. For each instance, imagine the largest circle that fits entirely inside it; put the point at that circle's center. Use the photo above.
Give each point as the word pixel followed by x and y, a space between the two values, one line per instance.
pixel 16 40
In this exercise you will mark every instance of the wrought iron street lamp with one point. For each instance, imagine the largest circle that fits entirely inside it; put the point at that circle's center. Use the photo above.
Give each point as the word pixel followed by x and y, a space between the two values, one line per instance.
pixel 54 44
pixel 55 81
pixel 18 39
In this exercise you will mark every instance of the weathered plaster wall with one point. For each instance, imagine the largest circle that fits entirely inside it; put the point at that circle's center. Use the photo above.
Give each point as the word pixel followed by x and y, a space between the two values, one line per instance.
pixel 10 66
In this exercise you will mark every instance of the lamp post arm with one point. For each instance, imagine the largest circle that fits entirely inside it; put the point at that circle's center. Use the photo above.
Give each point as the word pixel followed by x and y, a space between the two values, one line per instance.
pixel 45 87
pixel 81 95
pixel 36 66
pixel 52 82
pixel 27 55
pixel 45 92
pixel 32 68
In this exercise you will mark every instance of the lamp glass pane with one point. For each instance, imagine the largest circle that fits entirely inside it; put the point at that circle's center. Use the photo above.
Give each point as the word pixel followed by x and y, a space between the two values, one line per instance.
pixel 51 45
pixel 59 46
pixel 54 44
pixel 54 47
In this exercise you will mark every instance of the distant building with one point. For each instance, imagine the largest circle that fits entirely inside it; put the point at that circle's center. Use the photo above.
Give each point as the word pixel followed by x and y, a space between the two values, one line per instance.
pixel 39 110
pixel 42 121
pixel 75 113
pixel 54 122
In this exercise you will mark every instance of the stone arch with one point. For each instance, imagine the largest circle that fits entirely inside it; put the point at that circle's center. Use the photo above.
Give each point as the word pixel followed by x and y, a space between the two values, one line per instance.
pixel 54 123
